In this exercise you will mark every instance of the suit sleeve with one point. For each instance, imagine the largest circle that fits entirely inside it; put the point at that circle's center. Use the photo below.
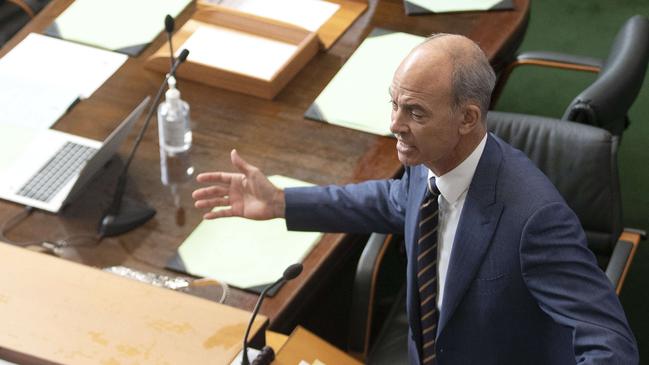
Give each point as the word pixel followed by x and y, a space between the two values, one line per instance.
pixel 561 273
pixel 371 206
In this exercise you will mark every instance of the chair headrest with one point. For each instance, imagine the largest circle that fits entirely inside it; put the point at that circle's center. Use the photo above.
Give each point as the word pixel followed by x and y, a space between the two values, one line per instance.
pixel 580 160
pixel 608 99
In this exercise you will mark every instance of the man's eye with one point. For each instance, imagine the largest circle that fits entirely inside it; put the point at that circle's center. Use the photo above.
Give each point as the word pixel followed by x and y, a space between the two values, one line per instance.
pixel 394 105
pixel 415 115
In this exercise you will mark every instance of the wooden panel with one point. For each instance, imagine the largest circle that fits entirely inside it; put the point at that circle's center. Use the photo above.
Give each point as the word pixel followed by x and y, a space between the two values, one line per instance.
pixel 304 345
pixel 210 15
pixel 63 312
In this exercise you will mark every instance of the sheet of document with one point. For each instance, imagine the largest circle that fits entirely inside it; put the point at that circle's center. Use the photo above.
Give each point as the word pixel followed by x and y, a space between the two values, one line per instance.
pixel 307 14
pixel 239 52
pixel 246 253
pixel 446 6
pixel 357 97
pixel 14 142
pixel 42 76
pixel 32 104
pixel 120 25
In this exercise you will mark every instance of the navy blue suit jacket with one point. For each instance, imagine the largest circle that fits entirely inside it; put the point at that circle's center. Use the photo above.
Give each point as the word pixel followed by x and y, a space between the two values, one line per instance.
pixel 522 286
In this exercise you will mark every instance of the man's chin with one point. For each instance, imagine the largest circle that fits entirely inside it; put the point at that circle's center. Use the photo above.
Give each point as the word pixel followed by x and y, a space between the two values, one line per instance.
pixel 407 160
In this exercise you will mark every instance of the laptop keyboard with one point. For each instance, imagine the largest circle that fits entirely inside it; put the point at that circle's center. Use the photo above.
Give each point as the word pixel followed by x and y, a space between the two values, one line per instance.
pixel 65 164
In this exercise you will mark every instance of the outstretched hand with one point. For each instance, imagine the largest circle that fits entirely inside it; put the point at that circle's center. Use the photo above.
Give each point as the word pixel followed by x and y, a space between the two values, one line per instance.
pixel 247 194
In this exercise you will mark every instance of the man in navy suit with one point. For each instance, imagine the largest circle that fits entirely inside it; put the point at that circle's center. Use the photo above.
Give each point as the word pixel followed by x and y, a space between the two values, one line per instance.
pixel 502 274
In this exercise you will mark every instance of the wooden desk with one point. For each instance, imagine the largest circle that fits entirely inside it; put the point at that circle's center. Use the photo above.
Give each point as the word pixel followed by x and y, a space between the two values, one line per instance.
pixel 57 312
pixel 270 134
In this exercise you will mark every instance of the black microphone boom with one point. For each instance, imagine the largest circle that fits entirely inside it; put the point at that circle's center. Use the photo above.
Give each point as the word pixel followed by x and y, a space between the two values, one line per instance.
pixel 120 218
pixel 169 28
pixel 290 273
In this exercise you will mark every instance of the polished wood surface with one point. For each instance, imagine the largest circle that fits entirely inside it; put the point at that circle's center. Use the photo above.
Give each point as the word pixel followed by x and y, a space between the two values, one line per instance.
pixel 303 345
pixel 273 135
pixel 58 312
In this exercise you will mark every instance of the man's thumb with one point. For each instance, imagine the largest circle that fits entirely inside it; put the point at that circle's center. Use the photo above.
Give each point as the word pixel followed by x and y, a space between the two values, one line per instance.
pixel 239 163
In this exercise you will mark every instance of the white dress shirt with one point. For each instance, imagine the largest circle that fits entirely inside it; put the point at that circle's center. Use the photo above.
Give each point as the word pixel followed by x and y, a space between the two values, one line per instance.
pixel 453 187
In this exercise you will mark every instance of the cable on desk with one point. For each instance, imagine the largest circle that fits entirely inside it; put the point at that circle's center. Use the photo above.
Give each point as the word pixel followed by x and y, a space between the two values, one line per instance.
pixel 225 288
pixel 203 282
pixel 12 222
pixel 50 245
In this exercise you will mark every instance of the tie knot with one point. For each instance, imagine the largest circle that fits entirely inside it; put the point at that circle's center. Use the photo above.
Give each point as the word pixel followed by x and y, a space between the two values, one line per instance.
pixel 432 187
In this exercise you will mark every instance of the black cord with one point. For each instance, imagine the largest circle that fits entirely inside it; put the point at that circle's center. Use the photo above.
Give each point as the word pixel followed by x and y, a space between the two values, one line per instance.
pixel 51 245
pixel 12 222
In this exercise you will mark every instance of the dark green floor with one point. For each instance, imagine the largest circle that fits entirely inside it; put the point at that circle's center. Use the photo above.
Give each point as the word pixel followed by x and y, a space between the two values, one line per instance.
pixel 587 28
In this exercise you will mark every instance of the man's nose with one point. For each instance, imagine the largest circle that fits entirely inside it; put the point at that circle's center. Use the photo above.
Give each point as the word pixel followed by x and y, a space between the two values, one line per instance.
pixel 396 124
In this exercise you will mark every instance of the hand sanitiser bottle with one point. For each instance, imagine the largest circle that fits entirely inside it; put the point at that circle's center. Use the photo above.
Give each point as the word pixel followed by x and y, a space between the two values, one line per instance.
pixel 173 122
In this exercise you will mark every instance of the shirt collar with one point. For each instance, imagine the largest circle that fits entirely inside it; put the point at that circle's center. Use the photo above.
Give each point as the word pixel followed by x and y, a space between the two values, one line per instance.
pixel 455 182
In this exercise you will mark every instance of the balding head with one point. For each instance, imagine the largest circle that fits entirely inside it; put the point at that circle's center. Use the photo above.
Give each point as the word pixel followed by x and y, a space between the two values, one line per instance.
pixel 472 77
pixel 440 95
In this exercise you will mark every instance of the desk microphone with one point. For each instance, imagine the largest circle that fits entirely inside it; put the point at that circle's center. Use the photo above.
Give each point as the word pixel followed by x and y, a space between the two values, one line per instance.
pixel 290 273
pixel 116 220
pixel 169 28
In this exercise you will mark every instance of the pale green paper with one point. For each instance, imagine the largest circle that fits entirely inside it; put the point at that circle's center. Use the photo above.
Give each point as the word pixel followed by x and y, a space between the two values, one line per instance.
pixel 246 253
pixel 358 97
pixel 446 6
pixel 116 24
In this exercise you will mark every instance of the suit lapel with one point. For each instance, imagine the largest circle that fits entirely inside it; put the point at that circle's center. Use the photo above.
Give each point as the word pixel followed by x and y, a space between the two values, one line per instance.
pixel 479 219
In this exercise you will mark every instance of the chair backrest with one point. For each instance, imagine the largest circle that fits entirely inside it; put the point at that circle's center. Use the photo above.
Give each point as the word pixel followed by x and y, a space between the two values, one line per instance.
pixel 606 101
pixel 581 161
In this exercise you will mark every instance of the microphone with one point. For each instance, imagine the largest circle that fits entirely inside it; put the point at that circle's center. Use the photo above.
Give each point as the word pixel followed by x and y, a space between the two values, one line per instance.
pixel 169 28
pixel 290 273
pixel 116 220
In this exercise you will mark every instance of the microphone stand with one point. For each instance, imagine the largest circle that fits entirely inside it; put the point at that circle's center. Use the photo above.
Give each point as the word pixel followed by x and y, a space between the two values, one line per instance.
pixel 125 214
pixel 289 274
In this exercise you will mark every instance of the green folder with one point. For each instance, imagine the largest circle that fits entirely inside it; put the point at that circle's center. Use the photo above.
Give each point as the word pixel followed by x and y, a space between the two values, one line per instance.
pixel 125 26
pixel 415 7
pixel 244 253
pixel 358 97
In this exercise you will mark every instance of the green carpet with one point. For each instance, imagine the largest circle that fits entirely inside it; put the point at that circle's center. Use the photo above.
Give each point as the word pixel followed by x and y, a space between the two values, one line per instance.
pixel 588 28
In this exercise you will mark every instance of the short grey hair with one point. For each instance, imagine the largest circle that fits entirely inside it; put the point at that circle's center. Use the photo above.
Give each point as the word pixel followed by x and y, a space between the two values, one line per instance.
pixel 473 78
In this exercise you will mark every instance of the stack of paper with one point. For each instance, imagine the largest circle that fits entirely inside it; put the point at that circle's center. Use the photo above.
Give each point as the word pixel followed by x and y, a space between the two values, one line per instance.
pixel 42 76
pixel 358 97
pixel 307 14
pixel 245 253
pixel 125 26
pixel 244 51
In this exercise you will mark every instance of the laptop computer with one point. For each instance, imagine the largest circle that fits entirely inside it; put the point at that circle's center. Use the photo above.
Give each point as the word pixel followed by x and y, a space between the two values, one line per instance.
pixel 56 166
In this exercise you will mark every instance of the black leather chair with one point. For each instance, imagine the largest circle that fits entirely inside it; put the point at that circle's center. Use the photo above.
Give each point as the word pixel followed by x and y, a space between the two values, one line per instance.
pixel 14 14
pixel 580 160
pixel 606 101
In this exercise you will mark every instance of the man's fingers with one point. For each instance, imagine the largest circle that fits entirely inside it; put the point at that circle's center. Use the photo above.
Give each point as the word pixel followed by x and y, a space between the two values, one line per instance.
pixel 227 212
pixel 211 203
pixel 240 164
pixel 216 177
pixel 210 192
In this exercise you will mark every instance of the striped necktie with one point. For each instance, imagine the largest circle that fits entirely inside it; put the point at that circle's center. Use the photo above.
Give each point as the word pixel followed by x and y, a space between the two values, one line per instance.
pixel 427 272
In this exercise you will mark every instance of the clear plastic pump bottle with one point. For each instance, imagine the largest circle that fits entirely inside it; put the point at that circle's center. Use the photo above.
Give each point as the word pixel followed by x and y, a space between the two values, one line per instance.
pixel 173 122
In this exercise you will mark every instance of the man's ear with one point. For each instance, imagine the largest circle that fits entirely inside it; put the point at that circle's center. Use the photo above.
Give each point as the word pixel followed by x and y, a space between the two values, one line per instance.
pixel 471 118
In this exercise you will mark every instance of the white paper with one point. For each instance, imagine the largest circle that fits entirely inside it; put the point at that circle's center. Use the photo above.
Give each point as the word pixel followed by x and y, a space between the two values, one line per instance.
pixel 238 52
pixel 32 104
pixel 57 63
pixel 307 14
pixel 42 77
